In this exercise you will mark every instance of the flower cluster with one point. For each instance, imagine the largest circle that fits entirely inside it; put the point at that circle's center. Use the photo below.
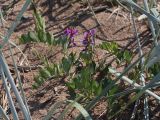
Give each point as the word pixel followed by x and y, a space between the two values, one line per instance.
pixel 87 41
pixel 89 38
pixel 71 33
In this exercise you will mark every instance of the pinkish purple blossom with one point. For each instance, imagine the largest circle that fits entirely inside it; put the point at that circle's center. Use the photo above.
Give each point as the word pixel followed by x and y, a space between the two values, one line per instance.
pixel 71 33
pixel 89 38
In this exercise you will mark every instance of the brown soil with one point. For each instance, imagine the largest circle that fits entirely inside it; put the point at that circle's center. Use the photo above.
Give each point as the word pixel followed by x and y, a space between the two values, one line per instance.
pixel 115 27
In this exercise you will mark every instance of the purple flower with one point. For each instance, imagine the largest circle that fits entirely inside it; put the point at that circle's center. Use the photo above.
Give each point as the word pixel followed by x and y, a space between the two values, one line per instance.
pixel 89 38
pixel 71 33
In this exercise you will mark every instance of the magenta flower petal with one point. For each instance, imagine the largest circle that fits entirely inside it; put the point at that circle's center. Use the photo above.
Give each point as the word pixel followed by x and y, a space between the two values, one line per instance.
pixel 92 32
pixel 67 31
pixel 89 38
pixel 71 33
pixel 85 34
pixel 85 42
pixel 75 31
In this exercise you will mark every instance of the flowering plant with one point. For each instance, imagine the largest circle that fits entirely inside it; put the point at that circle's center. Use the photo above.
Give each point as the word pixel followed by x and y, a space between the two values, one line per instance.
pixel 89 38
pixel 71 33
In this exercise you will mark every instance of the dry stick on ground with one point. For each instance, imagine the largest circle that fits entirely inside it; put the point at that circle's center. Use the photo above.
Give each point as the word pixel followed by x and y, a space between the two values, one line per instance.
pixel 114 11
pixel 93 12
pixel 106 9
pixel 86 11
pixel 24 50
pixel 121 28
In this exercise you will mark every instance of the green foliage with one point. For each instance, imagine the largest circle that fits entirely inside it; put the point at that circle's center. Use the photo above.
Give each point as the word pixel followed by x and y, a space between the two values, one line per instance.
pixel 113 103
pixel 109 46
pixel 40 34
pixel 85 77
pixel 45 73
pixel 122 55
pixel 39 22
pixel 51 71
pixel 68 62
pixel 86 56
pixel 154 69
pixel 85 84
pixel 135 73
pixel 82 80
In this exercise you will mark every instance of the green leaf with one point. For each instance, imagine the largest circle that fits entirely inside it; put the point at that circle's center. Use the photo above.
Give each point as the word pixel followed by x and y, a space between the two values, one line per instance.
pixel 44 73
pixel 50 39
pixel 104 46
pixel 71 85
pixel 127 56
pixel 111 92
pixel 25 39
pixel 110 47
pixel 33 36
pixel 85 74
pixel 39 81
pixel 40 22
pixel 154 69
pixel 120 56
pixel 72 57
pixel 99 89
pixel 92 67
pixel 86 56
pixel 56 69
pixel 66 63
pixel 114 47
pixel 35 86
pixel 96 88
pixel 79 84
pixel 42 36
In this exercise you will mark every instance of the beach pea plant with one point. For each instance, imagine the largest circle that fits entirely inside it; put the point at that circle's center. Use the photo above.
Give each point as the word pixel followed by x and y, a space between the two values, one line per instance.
pixel 80 69
pixel 84 76
pixel 84 81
